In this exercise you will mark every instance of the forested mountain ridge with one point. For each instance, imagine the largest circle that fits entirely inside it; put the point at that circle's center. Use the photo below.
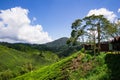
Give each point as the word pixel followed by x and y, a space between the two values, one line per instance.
pixel 57 43
pixel 47 46
pixel 58 46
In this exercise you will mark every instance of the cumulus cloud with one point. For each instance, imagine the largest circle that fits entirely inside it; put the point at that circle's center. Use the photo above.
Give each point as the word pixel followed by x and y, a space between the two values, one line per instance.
pixel 15 26
pixel 103 11
pixel 119 10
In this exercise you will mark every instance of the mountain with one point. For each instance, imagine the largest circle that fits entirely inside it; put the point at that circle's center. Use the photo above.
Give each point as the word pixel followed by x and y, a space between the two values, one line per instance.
pixel 58 47
pixel 57 43
pixel 54 45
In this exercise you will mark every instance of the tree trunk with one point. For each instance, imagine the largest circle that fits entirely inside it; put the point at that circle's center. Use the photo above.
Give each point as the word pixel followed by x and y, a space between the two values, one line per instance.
pixel 94 45
pixel 98 30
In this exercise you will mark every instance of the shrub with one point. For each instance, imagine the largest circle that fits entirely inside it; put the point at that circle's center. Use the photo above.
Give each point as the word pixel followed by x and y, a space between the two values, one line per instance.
pixel 83 50
pixel 28 67
pixel 6 75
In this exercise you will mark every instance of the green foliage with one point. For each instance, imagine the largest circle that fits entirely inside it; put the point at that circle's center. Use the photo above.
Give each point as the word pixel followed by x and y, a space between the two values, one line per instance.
pixel 96 70
pixel 6 75
pixel 11 58
pixel 58 46
pixel 69 51
pixel 18 46
pixel 76 24
pixel 28 67
pixel 83 50
pixel 95 28
pixel 113 63
pixel 55 71
pixel 76 67
pixel 57 43
pixel 22 62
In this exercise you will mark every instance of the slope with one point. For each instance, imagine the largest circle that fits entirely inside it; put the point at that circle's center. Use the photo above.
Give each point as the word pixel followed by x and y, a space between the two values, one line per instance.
pixel 17 62
pixel 10 58
pixel 79 66
pixel 57 43
pixel 58 46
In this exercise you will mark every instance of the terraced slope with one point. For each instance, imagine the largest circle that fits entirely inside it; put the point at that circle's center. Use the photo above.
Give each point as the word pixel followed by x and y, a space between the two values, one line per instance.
pixel 11 59
pixel 76 67
pixel 14 63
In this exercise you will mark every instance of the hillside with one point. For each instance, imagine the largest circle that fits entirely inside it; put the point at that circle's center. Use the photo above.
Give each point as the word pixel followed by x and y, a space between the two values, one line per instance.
pixel 58 47
pixel 57 43
pixel 11 58
pixel 24 47
pixel 79 66
pixel 14 62
pixel 27 47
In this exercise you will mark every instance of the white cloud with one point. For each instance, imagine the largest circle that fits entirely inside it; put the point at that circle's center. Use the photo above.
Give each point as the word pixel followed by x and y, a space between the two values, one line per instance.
pixel 119 10
pixel 103 11
pixel 15 26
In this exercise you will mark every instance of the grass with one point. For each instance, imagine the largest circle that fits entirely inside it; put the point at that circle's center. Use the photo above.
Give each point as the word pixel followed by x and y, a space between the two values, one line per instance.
pixel 79 66
pixel 53 71
pixel 16 61
pixel 10 58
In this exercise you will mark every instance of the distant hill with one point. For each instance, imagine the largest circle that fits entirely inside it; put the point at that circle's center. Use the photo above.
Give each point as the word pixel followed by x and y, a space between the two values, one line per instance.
pixel 57 43
pixel 58 46
pixel 25 47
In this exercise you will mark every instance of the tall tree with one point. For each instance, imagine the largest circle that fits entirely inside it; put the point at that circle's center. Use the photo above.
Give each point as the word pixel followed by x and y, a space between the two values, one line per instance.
pixel 100 24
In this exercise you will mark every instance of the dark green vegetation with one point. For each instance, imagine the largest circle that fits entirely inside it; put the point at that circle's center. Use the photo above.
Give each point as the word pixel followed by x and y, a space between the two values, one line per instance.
pixel 113 63
pixel 58 46
pixel 58 43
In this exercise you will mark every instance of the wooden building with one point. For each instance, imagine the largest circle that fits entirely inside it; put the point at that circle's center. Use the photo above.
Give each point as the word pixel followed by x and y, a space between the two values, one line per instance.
pixel 113 45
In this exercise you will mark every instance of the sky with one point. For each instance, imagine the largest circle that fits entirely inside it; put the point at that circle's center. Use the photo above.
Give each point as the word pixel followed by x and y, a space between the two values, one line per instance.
pixel 41 21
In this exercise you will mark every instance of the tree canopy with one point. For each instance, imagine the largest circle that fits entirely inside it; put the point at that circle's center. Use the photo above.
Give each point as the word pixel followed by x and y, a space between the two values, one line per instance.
pixel 96 28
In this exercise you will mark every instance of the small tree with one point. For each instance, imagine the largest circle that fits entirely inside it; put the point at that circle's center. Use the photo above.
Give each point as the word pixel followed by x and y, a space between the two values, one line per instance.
pixel 28 67
pixel 77 31
pixel 6 75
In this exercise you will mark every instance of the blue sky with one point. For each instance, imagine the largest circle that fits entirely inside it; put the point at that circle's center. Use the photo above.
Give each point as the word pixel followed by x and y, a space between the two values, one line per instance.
pixel 56 16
